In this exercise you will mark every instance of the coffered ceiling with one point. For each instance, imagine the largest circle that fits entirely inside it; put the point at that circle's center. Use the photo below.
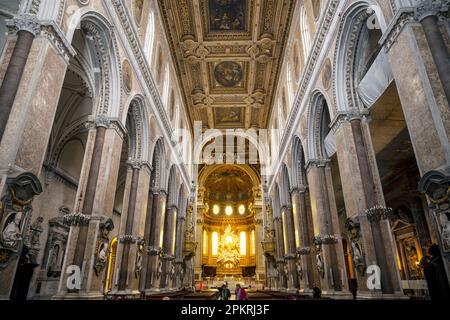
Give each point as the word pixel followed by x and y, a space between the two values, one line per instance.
pixel 228 57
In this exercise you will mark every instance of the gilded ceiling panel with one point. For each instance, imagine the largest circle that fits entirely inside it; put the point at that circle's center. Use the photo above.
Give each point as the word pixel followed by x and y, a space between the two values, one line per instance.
pixel 228 55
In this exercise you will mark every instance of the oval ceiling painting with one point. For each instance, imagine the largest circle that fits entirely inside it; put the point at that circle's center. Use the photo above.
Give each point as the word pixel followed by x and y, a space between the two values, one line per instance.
pixel 228 73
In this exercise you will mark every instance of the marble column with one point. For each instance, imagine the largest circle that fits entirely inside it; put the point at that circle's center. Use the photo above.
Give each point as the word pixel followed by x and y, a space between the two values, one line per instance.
pixel 438 48
pixel 198 239
pixel 169 247
pixel 130 256
pixel 154 249
pixel 328 253
pixel 260 270
pixel 127 238
pixel 371 241
pixel 179 273
pixel 95 201
pixel 290 253
pixel 305 230
pixel 29 28
pixel 423 101
pixel 279 253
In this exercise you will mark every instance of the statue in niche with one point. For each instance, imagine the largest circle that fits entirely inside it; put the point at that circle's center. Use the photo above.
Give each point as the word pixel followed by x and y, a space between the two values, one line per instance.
pixel 102 258
pixel 54 268
pixel 299 269
pixel 320 266
pixel 11 234
pixel 159 270
pixel 35 233
pixel 354 233
pixel 138 264
pixel 357 257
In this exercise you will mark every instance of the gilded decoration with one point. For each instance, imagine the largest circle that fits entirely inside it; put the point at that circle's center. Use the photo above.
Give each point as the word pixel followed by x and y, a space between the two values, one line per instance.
pixel 227 63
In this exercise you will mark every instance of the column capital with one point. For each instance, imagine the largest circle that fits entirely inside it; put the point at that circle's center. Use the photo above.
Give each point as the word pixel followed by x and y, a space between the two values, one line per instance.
pixel 153 251
pixel 407 15
pixel 303 251
pixel 347 116
pixel 299 189
pixel 129 238
pixel 158 191
pixel 317 163
pixel 102 120
pixel 134 163
pixel 286 207
pixel 290 256
pixel 430 8
pixel 25 22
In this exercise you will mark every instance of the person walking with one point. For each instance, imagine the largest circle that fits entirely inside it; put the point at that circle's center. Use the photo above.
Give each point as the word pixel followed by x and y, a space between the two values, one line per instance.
pixel 240 292
pixel 224 292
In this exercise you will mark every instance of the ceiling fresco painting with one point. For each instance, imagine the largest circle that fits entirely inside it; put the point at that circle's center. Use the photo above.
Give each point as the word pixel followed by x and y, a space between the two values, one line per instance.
pixel 228 73
pixel 228 55
pixel 225 15
pixel 228 116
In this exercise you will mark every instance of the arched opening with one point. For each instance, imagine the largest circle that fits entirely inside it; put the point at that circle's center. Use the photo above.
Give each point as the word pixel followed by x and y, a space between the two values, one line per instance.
pixel 328 207
pixel 373 90
pixel 228 211
pixel 84 95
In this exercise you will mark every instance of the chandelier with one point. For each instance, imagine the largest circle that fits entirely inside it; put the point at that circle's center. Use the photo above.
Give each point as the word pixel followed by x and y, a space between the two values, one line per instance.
pixel 228 250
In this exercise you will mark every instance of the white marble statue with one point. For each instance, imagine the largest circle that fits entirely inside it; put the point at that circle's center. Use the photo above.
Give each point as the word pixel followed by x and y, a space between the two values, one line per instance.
pixel 445 225
pixel 11 234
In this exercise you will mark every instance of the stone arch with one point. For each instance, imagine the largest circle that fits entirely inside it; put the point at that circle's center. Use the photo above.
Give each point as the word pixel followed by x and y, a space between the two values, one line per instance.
pixel 181 201
pixel 298 164
pixel 103 50
pixel 276 202
pixel 348 53
pixel 158 164
pixel 172 187
pixel 138 131
pixel 263 154
pixel 318 126
pixel 285 196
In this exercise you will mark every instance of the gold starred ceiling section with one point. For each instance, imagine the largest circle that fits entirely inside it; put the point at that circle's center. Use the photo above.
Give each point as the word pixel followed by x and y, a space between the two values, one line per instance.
pixel 228 56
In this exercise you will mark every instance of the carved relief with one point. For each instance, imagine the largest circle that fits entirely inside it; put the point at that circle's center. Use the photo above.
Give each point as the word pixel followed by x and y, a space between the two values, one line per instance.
pixel 327 74
pixel 127 76
pixel 354 233
pixel 15 211
pixel 102 246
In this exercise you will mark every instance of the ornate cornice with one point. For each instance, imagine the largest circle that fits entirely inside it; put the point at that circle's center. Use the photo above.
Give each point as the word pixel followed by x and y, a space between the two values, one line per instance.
pixel 135 44
pixel 406 15
pixel 316 163
pixel 123 16
pixel 311 65
pixel 346 117
pixel 48 29
pixel 108 123
pixel 139 164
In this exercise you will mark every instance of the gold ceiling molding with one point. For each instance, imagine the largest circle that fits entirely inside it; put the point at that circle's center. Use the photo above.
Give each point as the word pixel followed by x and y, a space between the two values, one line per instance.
pixel 228 57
